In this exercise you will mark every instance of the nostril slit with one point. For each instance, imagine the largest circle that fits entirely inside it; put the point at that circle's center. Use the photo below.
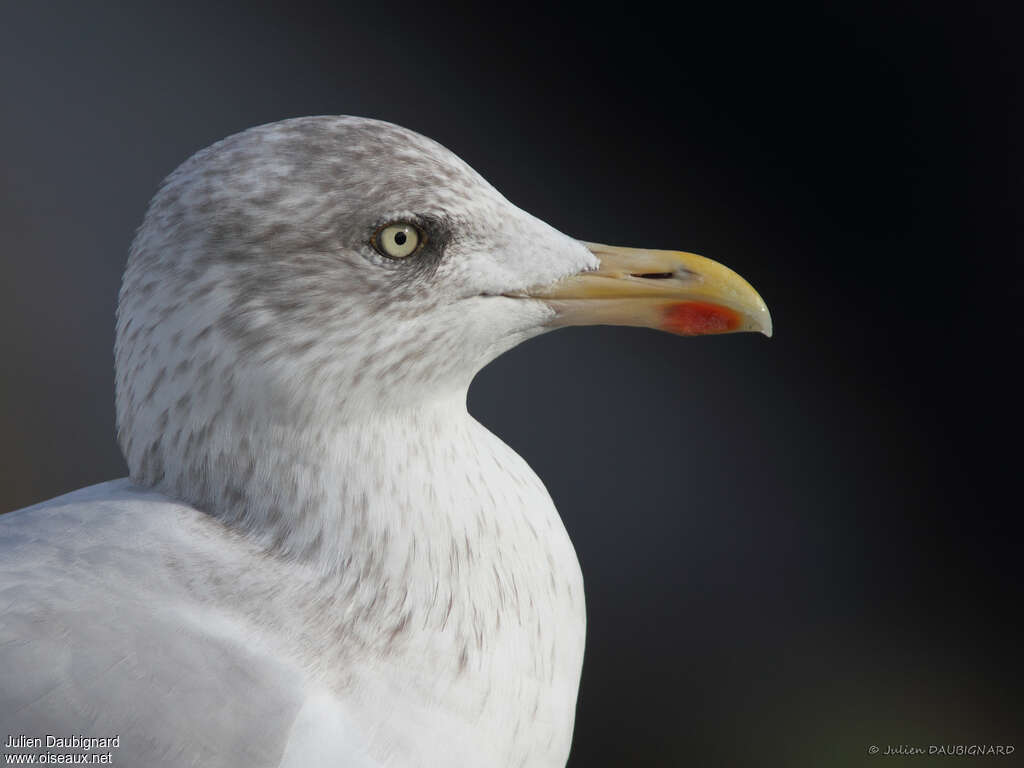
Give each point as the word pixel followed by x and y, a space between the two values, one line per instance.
pixel 656 275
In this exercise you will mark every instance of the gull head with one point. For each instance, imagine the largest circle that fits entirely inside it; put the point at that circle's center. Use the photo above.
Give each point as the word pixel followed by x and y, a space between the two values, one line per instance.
pixel 325 269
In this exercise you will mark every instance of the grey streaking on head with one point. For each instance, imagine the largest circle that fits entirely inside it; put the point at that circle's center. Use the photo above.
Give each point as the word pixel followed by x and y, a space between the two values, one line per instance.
pixel 320 557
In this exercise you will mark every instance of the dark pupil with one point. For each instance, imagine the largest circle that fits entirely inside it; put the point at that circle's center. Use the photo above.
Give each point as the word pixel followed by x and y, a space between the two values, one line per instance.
pixel 400 238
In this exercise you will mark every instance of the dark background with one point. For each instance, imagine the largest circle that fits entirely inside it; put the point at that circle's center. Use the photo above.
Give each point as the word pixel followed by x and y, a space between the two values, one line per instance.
pixel 794 548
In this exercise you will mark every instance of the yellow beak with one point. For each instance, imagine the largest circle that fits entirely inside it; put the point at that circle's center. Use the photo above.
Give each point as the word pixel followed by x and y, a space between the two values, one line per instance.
pixel 673 291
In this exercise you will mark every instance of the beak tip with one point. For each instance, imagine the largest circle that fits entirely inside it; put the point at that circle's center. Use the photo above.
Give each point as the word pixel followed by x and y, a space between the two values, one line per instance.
pixel 756 317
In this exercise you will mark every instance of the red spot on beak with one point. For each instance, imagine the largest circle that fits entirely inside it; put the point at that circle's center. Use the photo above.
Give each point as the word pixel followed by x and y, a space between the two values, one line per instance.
pixel 696 318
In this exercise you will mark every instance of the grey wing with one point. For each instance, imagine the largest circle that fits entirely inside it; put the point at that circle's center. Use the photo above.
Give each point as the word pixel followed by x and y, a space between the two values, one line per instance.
pixel 92 645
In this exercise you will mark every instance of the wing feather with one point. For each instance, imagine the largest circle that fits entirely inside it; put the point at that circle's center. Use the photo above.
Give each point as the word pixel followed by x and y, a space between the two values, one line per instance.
pixel 100 637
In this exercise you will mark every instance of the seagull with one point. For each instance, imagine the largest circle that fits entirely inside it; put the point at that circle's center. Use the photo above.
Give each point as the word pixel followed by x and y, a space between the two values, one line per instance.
pixel 319 558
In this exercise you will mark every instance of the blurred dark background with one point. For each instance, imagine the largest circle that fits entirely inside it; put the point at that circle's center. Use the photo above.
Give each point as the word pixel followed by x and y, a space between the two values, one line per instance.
pixel 795 548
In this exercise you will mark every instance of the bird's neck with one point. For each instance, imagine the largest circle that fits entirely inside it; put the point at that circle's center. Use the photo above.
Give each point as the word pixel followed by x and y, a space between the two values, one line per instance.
pixel 365 486
pixel 431 561
pixel 419 516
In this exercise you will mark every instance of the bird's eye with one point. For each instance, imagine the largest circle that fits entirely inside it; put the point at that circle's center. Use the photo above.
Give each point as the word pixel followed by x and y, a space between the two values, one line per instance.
pixel 398 240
